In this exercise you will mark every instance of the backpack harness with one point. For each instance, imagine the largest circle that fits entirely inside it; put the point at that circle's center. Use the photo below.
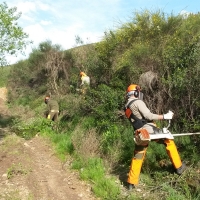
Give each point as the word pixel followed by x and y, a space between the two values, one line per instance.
pixel 137 123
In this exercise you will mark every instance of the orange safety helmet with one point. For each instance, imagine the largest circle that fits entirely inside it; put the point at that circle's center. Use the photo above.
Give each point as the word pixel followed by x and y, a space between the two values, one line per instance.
pixel 133 89
pixel 82 74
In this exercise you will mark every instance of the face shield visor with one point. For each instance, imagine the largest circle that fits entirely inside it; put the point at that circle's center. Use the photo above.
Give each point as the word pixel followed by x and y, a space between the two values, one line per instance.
pixel 141 95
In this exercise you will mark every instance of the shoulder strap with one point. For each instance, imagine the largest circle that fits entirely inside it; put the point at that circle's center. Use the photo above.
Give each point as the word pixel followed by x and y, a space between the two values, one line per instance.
pixel 126 107
pixel 133 116
pixel 131 103
pixel 137 123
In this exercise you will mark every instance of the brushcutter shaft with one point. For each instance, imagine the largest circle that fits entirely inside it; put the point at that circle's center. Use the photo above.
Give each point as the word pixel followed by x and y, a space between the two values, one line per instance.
pixel 183 134
pixel 169 135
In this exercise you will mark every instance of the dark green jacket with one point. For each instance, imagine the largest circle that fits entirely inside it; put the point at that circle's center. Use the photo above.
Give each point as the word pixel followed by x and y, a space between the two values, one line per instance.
pixel 52 105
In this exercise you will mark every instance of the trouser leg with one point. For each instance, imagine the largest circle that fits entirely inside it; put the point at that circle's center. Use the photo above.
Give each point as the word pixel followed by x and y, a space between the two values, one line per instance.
pixel 55 117
pixel 51 115
pixel 173 153
pixel 136 164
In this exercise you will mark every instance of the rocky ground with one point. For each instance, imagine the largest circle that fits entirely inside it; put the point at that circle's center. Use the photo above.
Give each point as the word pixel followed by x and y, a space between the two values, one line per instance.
pixel 31 171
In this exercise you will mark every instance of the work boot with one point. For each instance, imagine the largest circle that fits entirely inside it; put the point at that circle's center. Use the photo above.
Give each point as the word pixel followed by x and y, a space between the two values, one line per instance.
pixel 181 169
pixel 131 186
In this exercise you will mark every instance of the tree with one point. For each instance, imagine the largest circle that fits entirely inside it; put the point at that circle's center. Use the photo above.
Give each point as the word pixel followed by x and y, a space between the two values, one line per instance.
pixel 12 37
pixel 57 68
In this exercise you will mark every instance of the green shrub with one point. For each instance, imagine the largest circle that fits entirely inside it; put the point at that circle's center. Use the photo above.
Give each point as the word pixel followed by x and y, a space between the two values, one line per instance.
pixel 30 128
pixel 102 104
pixel 4 74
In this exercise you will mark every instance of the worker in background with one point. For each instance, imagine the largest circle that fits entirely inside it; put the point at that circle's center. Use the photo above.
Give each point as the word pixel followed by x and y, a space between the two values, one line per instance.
pixel 52 108
pixel 141 118
pixel 85 82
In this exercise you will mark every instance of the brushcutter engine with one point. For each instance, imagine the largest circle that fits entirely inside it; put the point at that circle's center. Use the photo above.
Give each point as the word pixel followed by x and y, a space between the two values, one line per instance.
pixel 142 137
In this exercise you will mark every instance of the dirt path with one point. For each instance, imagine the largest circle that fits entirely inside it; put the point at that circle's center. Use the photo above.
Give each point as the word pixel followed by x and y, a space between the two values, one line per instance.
pixel 30 170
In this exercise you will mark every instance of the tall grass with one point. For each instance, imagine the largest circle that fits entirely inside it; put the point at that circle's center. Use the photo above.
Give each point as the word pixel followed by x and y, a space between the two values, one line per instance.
pixel 93 170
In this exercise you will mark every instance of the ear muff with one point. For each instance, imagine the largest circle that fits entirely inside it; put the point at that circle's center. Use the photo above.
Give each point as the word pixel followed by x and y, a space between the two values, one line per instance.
pixel 136 93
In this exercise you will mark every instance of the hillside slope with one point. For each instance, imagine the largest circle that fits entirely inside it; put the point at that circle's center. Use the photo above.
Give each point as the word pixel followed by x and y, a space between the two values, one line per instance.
pixel 30 170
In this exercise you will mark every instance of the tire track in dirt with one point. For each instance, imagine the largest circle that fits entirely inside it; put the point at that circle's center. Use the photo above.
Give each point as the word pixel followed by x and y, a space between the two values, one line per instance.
pixel 49 179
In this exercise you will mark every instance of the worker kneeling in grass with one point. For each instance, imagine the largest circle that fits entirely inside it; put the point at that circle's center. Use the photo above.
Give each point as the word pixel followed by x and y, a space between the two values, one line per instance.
pixel 52 108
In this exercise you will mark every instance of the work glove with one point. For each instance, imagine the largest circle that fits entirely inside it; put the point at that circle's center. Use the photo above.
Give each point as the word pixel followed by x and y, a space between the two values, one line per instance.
pixel 169 115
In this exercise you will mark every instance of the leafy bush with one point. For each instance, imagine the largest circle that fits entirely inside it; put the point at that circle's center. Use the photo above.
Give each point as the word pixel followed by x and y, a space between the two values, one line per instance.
pixel 102 104
pixel 4 73
pixel 30 128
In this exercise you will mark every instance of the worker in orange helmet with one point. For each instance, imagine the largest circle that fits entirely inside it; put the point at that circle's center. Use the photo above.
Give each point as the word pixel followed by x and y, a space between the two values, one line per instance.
pixel 52 108
pixel 85 82
pixel 142 118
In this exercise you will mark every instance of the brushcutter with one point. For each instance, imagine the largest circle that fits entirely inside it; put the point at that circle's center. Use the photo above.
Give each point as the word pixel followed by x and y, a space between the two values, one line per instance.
pixel 142 137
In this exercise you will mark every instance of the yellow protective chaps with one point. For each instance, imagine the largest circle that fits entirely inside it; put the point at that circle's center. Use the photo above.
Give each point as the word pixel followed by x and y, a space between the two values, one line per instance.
pixel 139 155
pixel 173 153
pixel 136 164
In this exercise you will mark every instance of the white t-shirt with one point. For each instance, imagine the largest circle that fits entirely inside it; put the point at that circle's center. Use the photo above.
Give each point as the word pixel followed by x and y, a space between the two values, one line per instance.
pixel 85 80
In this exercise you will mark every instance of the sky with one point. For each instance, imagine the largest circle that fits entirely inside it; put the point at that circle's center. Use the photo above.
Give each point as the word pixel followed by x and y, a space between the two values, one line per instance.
pixel 60 21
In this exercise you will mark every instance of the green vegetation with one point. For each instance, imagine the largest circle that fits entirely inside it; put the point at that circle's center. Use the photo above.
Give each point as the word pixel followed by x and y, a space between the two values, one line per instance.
pixel 13 39
pixel 160 52
pixel 93 170
pixel 4 73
